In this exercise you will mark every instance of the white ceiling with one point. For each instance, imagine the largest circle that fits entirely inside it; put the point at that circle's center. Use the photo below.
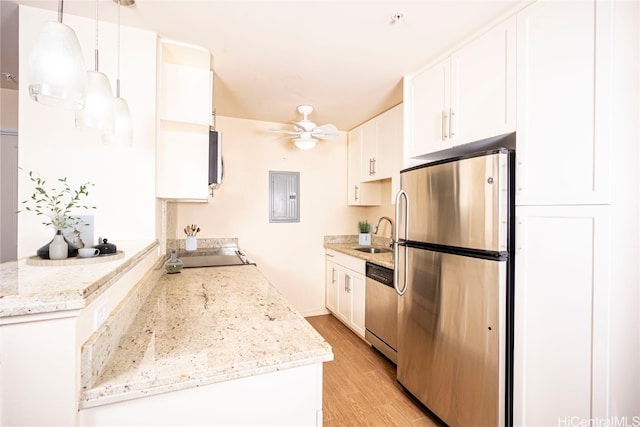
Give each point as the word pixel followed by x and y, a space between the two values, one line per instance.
pixel 346 58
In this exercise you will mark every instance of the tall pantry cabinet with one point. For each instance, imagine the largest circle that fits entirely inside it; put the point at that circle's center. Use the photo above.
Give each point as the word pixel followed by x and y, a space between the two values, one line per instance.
pixel 562 212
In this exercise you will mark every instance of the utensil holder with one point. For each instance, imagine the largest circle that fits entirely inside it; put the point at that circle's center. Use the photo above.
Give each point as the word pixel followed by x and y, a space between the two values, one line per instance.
pixel 191 244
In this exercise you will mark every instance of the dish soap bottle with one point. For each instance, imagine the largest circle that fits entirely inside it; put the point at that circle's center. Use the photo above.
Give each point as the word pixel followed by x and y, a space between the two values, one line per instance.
pixel 173 264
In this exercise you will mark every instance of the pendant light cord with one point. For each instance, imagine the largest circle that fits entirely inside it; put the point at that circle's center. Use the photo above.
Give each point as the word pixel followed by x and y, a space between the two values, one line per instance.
pixel 118 76
pixel 60 11
pixel 97 20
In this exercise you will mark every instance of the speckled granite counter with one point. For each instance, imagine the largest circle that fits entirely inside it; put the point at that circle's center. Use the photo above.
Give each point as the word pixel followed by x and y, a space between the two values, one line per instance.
pixel 27 289
pixel 345 244
pixel 202 326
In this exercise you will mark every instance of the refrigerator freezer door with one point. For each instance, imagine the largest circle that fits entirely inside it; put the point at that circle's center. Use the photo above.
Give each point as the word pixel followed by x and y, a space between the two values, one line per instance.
pixel 462 203
pixel 451 336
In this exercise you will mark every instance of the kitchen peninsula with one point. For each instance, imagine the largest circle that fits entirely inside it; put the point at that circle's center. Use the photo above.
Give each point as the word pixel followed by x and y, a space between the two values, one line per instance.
pixel 207 345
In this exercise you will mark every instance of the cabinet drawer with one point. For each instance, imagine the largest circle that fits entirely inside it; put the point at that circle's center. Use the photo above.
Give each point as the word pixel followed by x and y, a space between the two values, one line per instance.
pixel 347 261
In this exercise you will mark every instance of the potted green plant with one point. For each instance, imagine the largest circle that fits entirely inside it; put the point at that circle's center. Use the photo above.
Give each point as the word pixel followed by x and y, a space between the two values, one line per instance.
pixel 55 205
pixel 364 238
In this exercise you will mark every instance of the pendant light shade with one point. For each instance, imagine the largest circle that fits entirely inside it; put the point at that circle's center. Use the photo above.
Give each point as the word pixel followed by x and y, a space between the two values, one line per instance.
pixel 98 109
pixel 123 131
pixel 57 75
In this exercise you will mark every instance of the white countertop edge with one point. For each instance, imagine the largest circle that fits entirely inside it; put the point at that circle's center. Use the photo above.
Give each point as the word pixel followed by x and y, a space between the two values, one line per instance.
pixel 123 392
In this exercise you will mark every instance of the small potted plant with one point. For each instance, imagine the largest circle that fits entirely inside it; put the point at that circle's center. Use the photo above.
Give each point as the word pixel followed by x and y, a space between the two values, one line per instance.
pixel 56 204
pixel 364 238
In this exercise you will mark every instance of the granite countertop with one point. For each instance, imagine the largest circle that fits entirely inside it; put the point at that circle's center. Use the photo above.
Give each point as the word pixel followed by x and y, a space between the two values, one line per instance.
pixel 202 326
pixel 346 245
pixel 29 289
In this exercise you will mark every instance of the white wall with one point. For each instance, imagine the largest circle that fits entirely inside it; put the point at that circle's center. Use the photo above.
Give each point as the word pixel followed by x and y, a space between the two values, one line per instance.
pixel 290 255
pixel 51 146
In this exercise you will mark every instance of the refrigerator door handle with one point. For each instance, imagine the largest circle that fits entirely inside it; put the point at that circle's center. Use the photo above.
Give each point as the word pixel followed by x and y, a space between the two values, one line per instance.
pixel 396 248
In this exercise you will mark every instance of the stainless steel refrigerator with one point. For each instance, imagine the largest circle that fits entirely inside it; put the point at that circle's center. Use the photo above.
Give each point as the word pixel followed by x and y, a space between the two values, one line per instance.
pixel 454 275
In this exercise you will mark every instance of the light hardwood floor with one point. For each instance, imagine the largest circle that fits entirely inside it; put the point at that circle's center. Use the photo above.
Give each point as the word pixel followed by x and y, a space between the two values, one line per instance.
pixel 359 385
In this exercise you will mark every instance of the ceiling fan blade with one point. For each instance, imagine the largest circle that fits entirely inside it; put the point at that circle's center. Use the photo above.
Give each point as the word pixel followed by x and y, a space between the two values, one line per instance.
pixel 298 127
pixel 327 131
pixel 288 132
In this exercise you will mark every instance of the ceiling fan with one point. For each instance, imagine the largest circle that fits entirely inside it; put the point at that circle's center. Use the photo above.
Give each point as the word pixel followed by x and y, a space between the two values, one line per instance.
pixel 306 133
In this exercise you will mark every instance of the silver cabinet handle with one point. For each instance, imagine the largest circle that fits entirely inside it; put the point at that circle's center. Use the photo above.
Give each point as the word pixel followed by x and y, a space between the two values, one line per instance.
pixel 374 165
pixel 396 274
pixel 356 193
pixel 347 287
pixel 333 275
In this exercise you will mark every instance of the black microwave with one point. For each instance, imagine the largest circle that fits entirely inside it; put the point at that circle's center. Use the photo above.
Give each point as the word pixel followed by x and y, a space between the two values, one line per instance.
pixel 216 166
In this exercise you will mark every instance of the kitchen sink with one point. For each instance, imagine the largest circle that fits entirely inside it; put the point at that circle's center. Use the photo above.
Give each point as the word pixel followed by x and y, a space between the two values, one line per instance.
pixel 372 250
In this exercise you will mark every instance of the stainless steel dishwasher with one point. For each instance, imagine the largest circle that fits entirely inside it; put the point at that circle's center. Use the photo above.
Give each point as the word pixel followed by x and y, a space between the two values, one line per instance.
pixel 381 310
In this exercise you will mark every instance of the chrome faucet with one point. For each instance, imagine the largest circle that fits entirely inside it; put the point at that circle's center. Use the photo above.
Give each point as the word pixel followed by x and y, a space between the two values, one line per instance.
pixel 375 231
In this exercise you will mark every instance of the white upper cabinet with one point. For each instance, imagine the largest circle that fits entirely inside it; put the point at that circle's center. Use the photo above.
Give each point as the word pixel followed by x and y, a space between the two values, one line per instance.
pixel 381 140
pixel 184 111
pixel 389 142
pixel 375 149
pixel 369 169
pixel 564 86
pixel 360 193
pixel 467 97
pixel 426 104
pixel 185 96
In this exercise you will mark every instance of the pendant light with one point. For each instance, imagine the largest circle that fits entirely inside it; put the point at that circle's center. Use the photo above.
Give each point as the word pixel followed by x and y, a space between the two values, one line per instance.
pixel 98 110
pixel 123 129
pixel 57 75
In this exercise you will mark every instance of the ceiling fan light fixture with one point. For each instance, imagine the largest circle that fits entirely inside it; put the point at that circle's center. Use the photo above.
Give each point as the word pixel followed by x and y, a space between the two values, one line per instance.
pixel 305 143
pixel 306 134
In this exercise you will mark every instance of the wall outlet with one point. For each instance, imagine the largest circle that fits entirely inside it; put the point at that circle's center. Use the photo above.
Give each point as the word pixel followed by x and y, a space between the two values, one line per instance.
pixel 100 315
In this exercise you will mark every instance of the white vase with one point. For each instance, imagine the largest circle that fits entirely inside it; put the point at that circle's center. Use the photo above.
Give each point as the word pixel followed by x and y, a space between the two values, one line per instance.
pixel 58 249
pixel 191 244
pixel 364 239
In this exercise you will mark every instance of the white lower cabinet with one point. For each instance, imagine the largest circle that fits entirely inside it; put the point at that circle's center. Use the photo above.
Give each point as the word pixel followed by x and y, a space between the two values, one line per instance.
pixel 345 289
pixel 561 314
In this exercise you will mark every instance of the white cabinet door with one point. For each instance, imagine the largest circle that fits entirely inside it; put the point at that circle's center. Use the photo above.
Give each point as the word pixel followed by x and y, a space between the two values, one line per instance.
pixel 182 142
pixel 356 291
pixel 182 153
pixel 186 94
pixel 359 193
pixel 369 156
pixel 396 148
pixel 389 142
pixel 345 289
pixel 561 314
pixel 483 86
pixel 331 285
pixel 344 301
pixel 563 112
pixel 426 100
